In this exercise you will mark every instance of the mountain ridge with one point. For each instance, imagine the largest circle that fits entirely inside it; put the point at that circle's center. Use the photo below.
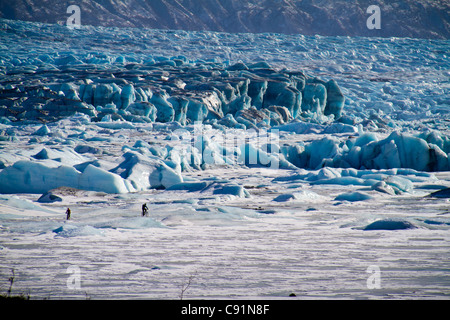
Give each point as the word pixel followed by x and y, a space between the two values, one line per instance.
pixel 406 18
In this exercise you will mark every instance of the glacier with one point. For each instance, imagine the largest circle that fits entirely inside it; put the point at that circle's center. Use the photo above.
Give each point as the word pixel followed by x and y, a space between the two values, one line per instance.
pixel 116 93
pixel 260 156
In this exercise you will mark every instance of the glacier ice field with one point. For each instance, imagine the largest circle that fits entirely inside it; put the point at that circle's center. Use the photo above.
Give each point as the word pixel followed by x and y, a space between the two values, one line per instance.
pixel 271 164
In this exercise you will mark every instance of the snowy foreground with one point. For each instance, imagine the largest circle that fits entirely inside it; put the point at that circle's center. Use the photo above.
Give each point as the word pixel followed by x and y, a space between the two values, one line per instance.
pixel 270 164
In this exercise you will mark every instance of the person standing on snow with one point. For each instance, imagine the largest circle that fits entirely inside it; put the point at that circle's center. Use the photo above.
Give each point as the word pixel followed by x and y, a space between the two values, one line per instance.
pixel 144 210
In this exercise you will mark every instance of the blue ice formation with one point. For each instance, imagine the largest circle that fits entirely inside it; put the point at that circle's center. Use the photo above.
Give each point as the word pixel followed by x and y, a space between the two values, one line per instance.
pixel 68 231
pixel 31 177
pixel 443 194
pixel 42 131
pixel 190 186
pixel 164 90
pixel 353 197
pixel 285 197
pixel 231 189
pixel 49 197
pixel 145 172
pixel 216 188
pixel 134 173
pixel 392 181
pixel 398 150
pixel 390 224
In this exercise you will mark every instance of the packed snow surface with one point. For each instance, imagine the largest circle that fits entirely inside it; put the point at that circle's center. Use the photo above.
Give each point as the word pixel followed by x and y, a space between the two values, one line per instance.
pixel 271 164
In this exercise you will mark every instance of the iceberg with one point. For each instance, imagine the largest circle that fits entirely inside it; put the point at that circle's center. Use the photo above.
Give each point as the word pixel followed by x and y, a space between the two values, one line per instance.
pixel 398 150
pixel 403 151
pixel 145 172
pixel 31 177
pixel 97 179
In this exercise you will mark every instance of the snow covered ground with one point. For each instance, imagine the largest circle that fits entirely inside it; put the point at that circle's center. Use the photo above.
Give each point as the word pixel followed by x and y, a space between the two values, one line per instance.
pixel 247 209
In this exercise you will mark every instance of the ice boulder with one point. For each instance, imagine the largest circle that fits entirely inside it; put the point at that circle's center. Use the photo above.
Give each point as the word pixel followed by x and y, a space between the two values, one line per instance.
pixel 284 114
pixel 343 181
pixel 413 152
pixel 116 125
pixel 49 197
pixel 280 93
pixel 300 127
pixel 285 197
pixel 390 224
pixel 353 197
pixel 383 187
pixel 399 183
pixel 42 131
pixel 42 155
pixel 82 149
pixel 68 231
pixel 211 153
pixel 230 122
pixel 303 195
pixel 232 189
